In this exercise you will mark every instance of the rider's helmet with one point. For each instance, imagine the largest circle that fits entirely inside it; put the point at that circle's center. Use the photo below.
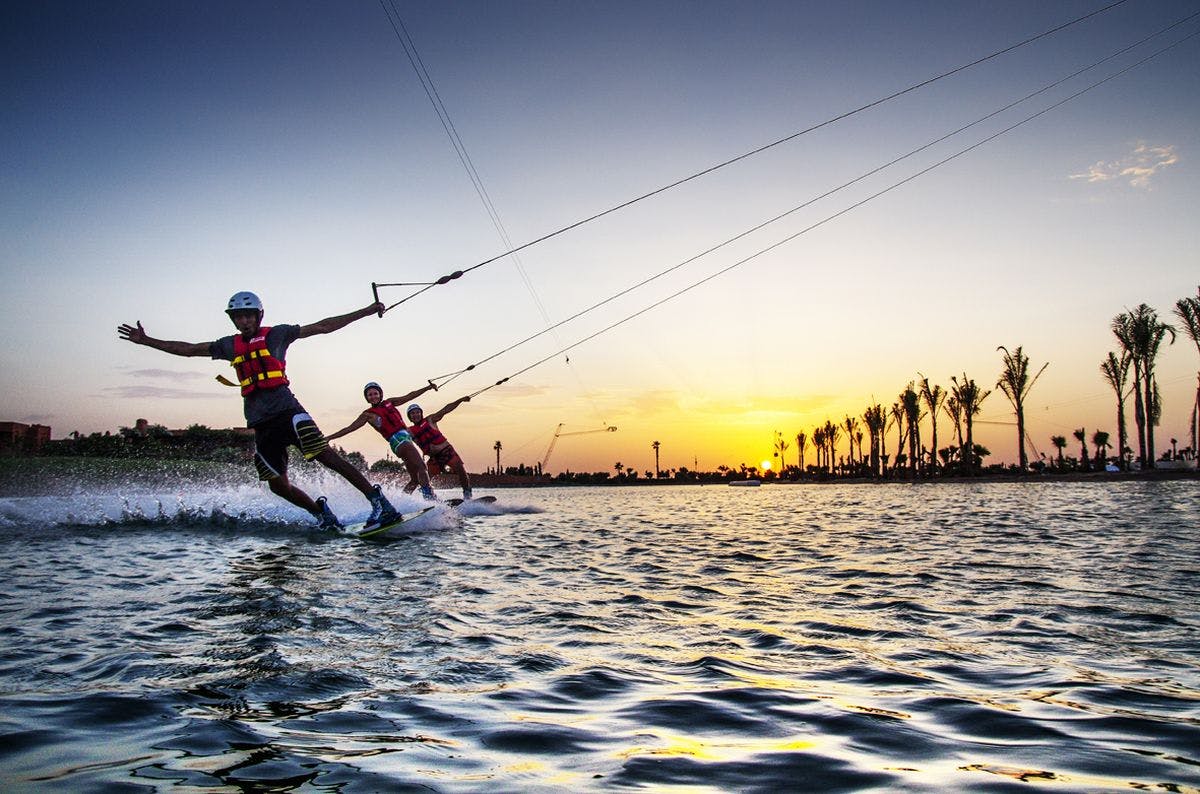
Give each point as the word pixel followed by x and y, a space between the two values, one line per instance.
pixel 244 301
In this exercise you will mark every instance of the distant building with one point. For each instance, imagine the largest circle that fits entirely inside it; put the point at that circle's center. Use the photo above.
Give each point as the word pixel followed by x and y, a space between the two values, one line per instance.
pixel 17 438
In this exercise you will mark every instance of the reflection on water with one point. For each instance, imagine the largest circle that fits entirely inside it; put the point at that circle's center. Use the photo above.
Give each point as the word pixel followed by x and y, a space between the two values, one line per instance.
pixel 948 636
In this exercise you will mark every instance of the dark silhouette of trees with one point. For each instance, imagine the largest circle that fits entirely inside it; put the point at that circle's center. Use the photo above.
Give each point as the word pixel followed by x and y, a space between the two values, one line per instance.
pixel 1141 335
pixel 1116 372
pixel 1015 383
pixel 970 399
pixel 1100 444
pixel 875 418
pixel 910 403
pixel 934 397
pixel 1188 312
pixel 1060 443
pixel 1081 437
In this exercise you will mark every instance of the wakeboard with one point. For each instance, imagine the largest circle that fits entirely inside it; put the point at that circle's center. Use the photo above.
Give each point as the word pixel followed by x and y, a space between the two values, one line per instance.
pixel 480 500
pixel 360 529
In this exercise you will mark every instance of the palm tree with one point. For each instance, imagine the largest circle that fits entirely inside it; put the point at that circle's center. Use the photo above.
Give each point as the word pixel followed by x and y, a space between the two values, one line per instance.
pixel 1122 328
pixel 875 418
pixel 911 402
pixel 1081 437
pixel 818 439
pixel 1141 334
pixel 1116 372
pixel 801 443
pixel 832 433
pixel 619 466
pixel 1101 445
pixel 970 399
pixel 933 397
pixel 898 423
pixel 1061 443
pixel 780 447
pixel 1188 312
pixel 954 411
pixel 1016 384
pixel 655 447
pixel 498 446
pixel 851 425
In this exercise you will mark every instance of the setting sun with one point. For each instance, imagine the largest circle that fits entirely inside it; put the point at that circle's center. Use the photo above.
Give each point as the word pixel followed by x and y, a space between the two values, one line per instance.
pixel 766 465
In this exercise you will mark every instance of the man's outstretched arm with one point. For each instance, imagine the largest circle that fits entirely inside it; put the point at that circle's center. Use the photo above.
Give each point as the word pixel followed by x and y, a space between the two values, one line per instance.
pixel 138 335
pixel 330 324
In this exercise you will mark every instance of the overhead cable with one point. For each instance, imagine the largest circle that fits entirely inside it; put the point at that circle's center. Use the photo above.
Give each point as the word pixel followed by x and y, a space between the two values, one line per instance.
pixel 841 212
pixel 425 286
pixel 826 194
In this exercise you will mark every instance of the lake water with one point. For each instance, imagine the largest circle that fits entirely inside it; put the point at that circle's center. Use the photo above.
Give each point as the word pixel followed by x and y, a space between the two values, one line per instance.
pixel 985 637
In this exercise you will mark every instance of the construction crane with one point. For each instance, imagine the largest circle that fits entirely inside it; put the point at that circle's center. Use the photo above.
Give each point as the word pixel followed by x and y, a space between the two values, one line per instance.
pixel 558 432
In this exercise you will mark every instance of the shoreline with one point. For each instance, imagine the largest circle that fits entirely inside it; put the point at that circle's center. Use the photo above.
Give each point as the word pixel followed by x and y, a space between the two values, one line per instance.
pixel 65 475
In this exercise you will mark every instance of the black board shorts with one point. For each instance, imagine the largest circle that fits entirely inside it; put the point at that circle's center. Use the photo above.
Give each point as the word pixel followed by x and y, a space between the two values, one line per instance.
pixel 273 437
pixel 443 459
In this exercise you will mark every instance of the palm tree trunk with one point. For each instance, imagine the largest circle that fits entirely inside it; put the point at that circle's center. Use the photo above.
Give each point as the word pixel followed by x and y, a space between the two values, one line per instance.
pixel 1122 434
pixel 1021 436
pixel 1139 414
pixel 968 448
pixel 933 456
pixel 1151 414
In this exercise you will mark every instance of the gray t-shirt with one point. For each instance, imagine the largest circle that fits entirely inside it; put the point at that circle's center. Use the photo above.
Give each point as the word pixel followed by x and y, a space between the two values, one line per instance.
pixel 263 404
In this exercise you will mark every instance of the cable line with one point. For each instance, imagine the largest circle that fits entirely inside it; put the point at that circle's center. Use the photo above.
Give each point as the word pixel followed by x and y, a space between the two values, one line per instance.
pixel 418 64
pixel 425 286
pixel 842 212
pixel 810 202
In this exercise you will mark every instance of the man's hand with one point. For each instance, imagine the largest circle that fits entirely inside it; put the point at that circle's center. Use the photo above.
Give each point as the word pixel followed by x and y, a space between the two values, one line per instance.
pixel 135 334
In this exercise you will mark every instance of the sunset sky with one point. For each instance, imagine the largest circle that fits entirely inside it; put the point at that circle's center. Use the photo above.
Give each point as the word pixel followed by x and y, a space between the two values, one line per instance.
pixel 157 157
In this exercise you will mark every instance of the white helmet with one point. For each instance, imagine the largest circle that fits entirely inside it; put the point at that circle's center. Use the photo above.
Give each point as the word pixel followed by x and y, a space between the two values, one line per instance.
pixel 413 409
pixel 243 301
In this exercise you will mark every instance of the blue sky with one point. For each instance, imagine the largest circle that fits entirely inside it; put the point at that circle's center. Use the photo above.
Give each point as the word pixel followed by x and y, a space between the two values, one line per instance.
pixel 158 157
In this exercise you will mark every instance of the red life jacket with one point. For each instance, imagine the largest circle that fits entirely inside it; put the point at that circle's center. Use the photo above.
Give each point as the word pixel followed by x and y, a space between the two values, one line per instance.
pixel 426 435
pixel 391 420
pixel 255 366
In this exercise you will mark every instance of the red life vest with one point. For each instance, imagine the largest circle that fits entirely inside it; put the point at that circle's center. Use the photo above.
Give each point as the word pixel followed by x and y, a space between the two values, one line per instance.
pixel 391 420
pixel 426 435
pixel 255 366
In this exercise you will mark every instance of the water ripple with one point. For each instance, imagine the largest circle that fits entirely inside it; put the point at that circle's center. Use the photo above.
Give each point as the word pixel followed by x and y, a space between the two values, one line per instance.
pixel 840 638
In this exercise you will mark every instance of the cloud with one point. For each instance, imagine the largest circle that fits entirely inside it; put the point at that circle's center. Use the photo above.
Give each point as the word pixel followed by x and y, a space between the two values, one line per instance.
pixel 168 374
pixel 161 393
pixel 1137 167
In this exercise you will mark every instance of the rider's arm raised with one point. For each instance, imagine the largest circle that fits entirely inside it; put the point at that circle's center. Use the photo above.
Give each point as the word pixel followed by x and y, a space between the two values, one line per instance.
pixel 138 335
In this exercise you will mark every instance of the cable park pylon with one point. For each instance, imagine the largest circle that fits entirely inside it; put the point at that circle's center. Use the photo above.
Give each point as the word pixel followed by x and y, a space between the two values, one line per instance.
pixel 424 286
pixel 443 379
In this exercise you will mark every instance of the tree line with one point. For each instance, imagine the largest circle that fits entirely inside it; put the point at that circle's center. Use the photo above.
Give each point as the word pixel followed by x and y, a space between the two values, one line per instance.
pixel 1129 370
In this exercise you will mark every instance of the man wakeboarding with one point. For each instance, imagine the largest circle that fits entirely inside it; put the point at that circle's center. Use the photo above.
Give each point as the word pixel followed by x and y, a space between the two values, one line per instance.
pixel 258 353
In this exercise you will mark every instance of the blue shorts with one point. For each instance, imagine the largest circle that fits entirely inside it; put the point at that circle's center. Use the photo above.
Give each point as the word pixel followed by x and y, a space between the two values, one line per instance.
pixel 398 438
